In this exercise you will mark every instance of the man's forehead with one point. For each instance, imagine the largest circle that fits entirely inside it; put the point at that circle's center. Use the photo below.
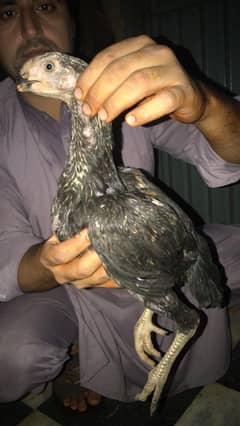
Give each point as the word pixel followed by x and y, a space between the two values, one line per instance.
pixel 7 2
pixel 10 2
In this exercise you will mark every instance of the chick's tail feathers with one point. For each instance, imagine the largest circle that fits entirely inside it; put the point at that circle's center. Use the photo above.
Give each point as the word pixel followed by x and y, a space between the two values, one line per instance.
pixel 204 279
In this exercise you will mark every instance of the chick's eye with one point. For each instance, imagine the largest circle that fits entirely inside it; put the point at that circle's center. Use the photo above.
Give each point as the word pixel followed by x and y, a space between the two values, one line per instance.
pixel 49 66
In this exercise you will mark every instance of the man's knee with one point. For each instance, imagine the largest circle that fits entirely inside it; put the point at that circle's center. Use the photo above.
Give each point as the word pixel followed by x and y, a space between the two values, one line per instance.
pixel 24 368
pixel 35 333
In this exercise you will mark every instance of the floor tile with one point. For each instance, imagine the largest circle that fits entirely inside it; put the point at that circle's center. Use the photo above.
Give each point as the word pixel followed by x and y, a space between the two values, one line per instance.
pixel 110 413
pixel 215 405
pixel 35 400
pixel 13 412
pixel 38 419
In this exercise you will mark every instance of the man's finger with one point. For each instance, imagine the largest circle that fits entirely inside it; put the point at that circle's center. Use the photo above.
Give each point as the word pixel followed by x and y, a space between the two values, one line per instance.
pixel 98 279
pixel 80 268
pixel 163 103
pixel 141 84
pixel 109 284
pixel 106 57
pixel 56 253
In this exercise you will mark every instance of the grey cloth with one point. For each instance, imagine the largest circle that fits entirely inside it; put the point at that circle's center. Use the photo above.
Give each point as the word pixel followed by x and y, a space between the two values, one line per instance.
pixel 32 351
pixel 33 151
pixel 182 141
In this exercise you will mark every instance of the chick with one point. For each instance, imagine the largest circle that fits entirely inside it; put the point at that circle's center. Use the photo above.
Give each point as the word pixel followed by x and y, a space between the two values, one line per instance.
pixel 147 244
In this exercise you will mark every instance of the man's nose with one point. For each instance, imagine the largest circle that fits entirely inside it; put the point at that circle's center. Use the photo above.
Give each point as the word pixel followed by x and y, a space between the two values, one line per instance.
pixel 30 24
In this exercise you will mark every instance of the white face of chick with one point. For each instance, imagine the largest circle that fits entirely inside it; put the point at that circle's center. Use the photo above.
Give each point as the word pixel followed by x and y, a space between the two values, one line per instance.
pixel 48 75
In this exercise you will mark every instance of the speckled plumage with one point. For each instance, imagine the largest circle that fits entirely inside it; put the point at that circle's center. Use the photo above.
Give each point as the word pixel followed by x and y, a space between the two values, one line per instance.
pixel 145 241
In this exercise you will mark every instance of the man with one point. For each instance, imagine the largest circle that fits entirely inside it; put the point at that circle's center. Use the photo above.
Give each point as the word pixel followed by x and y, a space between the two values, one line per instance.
pixel 43 282
pixel 29 28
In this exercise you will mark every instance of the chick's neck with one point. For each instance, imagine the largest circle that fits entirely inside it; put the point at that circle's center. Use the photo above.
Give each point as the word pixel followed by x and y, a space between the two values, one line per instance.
pixel 90 164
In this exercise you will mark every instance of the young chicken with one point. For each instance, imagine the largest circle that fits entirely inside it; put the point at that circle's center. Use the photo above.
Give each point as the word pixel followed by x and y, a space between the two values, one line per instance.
pixel 146 243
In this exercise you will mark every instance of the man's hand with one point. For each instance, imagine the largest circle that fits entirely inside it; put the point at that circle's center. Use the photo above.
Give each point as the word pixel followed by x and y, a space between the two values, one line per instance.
pixel 50 263
pixel 142 76
pixel 74 261
pixel 147 80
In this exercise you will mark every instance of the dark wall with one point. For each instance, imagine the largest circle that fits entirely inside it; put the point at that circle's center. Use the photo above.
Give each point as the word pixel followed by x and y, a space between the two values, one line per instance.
pixel 94 28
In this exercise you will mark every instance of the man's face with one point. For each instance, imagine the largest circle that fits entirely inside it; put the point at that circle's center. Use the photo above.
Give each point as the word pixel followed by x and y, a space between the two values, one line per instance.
pixel 31 27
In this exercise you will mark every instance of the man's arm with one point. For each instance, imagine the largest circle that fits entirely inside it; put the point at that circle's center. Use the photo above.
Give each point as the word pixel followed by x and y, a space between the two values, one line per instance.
pixel 32 275
pixel 16 235
pixel 220 124
pixel 147 79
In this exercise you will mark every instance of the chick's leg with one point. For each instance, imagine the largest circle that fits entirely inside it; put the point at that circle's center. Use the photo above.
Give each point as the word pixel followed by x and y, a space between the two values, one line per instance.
pixel 142 337
pixel 159 374
pixel 187 321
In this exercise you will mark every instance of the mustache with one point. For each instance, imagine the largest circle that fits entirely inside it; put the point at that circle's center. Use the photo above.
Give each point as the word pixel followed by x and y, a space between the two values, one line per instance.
pixel 35 43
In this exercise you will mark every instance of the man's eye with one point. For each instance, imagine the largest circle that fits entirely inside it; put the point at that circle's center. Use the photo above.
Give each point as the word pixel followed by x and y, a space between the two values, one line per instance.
pixel 46 7
pixel 5 15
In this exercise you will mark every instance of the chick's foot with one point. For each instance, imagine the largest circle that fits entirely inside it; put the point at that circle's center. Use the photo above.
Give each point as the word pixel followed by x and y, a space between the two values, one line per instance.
pixel 142 337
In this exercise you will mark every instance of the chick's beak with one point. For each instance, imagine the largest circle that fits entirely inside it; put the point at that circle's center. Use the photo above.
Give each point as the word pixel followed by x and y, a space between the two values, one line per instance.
pixel 23 84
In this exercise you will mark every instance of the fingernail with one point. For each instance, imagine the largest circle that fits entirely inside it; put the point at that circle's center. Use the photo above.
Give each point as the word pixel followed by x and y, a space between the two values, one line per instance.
pixel 54 239
pixel 78 93
pixel 83 234
pixel 131 120
pixel 86 109
pixel 102 114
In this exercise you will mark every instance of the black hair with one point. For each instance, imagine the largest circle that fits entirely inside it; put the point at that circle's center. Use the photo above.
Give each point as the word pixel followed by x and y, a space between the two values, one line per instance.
pixel 73 7
pixel 93 31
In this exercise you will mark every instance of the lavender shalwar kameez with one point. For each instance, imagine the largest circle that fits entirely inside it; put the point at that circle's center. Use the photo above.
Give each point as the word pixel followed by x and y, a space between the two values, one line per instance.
pixel 37 329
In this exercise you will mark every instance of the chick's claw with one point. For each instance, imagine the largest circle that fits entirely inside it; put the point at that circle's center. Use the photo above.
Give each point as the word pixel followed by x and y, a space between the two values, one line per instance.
pixel 142 336
pixel 153 385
